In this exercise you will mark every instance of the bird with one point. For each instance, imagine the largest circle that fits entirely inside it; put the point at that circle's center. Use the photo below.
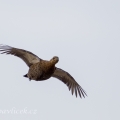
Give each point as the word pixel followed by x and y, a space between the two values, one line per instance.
pixel 40 69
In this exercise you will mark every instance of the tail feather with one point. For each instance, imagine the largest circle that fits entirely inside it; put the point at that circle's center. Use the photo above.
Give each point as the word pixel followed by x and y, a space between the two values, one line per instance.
pixel 25 75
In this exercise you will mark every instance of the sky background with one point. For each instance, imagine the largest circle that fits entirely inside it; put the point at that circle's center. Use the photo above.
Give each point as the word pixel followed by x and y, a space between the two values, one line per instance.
pixel 86 37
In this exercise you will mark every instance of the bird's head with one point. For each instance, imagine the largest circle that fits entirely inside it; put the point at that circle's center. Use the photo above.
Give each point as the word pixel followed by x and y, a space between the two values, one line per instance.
pixel 55 59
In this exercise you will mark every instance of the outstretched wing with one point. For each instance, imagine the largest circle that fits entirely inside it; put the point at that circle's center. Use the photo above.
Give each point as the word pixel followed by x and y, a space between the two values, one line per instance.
pixel 66 78
pixel 28 57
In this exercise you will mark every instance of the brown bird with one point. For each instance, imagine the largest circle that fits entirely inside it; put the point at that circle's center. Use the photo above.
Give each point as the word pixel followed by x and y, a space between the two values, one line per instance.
pixel 42 69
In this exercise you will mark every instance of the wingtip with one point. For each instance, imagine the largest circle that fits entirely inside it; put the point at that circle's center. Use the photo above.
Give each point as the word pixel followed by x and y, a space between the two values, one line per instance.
pixel 5 47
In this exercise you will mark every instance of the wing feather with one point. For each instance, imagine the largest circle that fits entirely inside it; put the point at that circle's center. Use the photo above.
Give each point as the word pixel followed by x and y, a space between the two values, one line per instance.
pixel 75 91
pixel 28 57
pixel 66 78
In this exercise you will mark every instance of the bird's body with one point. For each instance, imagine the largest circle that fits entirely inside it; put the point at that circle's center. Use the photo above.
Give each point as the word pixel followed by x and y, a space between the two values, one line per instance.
pixel 40 70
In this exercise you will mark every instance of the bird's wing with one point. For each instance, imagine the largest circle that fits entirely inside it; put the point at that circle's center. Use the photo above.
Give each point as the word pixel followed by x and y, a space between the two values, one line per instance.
pixel 28 57
pixel 66 78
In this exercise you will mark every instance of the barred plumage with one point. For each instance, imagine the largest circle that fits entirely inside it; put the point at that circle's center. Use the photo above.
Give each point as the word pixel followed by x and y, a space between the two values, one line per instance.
pixel 42 69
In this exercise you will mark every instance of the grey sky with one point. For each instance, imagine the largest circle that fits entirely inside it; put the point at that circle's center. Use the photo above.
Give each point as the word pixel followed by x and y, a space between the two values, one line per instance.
pixel 86 37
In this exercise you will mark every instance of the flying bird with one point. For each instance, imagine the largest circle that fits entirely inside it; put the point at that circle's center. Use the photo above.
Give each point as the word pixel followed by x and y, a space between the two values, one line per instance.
pixel 40 69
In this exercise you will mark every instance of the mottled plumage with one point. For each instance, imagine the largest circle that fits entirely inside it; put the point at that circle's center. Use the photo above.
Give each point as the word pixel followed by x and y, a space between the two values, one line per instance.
pixel 42 69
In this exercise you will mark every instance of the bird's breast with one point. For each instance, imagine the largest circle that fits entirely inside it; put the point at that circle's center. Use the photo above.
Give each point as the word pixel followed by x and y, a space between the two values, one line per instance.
pixel 41 71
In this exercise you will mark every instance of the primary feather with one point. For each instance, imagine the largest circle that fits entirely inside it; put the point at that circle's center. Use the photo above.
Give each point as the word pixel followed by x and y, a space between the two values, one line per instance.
pixel 28 57
pixel 43 69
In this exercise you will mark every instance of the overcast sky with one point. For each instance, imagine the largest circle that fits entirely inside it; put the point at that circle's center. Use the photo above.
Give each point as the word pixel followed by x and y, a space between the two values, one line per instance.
pixel 85 35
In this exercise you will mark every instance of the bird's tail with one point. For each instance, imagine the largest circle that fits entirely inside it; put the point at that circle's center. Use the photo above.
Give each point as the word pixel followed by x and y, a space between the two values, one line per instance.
pixel 25 75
